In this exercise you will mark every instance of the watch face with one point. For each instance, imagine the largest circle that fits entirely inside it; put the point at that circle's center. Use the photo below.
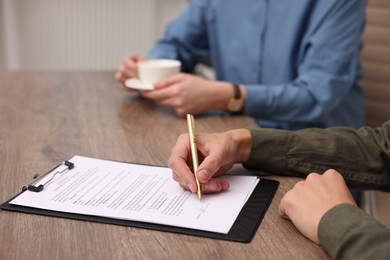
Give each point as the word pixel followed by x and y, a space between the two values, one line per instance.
pixel 235 105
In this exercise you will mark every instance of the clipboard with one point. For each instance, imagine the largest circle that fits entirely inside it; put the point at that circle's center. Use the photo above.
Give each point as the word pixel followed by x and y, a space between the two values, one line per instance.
pixel 243 229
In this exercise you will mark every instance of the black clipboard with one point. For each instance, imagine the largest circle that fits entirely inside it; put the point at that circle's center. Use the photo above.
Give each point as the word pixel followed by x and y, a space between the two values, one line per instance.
pixel 243 229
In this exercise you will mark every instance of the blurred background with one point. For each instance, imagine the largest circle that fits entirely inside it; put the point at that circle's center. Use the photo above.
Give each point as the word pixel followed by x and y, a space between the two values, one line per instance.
pixel 79 34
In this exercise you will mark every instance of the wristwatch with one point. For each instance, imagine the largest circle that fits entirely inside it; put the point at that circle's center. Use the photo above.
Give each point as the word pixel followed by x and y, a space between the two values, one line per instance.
pixel 236 103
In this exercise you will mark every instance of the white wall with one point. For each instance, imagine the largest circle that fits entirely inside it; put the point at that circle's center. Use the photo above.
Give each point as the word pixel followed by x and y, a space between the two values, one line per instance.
pixel 81 34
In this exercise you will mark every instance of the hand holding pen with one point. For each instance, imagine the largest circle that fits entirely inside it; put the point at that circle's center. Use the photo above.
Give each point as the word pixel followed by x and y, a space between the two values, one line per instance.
pixel 217 152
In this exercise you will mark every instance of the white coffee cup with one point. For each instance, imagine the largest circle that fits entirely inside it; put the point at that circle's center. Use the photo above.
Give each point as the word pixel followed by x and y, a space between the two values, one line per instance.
pixel 152 71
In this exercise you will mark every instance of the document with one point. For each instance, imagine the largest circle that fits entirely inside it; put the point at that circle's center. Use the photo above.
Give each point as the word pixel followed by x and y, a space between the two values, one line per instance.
pixel 137 192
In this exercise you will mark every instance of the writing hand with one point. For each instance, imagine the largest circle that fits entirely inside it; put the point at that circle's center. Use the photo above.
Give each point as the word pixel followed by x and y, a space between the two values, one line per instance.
pixel 217 153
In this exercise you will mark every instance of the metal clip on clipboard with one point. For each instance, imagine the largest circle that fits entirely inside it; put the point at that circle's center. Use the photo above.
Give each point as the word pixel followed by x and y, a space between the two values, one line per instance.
pixel 37 178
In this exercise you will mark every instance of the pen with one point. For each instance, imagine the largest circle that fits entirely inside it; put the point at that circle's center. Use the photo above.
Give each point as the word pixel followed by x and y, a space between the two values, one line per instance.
pixel 194 150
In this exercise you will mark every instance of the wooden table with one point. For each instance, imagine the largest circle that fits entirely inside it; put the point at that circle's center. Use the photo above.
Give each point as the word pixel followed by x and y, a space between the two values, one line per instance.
pixel 47 117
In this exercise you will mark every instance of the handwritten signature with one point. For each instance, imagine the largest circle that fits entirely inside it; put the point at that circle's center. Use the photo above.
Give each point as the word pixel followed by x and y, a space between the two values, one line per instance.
pixel 202 210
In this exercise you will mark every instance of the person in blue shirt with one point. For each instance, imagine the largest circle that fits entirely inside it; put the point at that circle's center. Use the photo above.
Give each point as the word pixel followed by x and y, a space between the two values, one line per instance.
pixel 296 63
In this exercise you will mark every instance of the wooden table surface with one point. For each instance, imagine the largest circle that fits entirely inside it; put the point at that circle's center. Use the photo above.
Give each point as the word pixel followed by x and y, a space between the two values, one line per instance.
pixel 47 117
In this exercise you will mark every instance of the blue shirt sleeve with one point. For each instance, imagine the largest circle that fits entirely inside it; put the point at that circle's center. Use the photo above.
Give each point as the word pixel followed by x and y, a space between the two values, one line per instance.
pixel 326 72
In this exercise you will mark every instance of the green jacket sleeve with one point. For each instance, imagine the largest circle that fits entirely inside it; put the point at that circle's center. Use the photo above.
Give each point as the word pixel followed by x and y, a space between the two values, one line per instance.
pixel 357 236
pixel 362 156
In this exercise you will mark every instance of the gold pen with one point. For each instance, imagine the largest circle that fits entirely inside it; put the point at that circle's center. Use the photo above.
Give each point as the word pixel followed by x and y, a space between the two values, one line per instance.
pixel 194 150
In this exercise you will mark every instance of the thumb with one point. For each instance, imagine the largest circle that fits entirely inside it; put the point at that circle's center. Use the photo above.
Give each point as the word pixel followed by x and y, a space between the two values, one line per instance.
pixel 208 168
pixel 282 212
pixel 284 202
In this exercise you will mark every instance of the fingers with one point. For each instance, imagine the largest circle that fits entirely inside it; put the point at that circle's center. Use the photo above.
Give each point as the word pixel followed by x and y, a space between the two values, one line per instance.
pixel 333 174
pixel 130 64
pixel 288 200
pixel 178 162
pixel 335 181
pixel 215 186
pixel 220 155
pixel 162 96
pixel 212 186
pixel 170 81
pixel 127 69
pixel 165 91
pixel 170 96
pixel 210 167
pixel 186 181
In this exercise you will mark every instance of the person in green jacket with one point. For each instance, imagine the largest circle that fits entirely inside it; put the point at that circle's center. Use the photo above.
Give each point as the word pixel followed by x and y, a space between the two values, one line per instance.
pixel 321 206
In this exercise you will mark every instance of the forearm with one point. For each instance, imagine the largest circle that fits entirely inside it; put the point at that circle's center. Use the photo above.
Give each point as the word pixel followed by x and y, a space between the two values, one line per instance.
pixel 357 236
pixel 361 156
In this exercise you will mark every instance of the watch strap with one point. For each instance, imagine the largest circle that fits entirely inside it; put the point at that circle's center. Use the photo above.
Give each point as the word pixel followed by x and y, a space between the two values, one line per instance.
pixel 237 96
pixel 237 91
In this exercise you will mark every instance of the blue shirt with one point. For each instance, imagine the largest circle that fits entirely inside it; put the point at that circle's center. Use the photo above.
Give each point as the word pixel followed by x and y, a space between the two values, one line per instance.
pixel 299 60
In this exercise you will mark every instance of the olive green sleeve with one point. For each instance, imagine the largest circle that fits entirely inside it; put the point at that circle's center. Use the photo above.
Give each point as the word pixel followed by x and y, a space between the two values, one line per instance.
pixel 362 156
pixel 347 232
